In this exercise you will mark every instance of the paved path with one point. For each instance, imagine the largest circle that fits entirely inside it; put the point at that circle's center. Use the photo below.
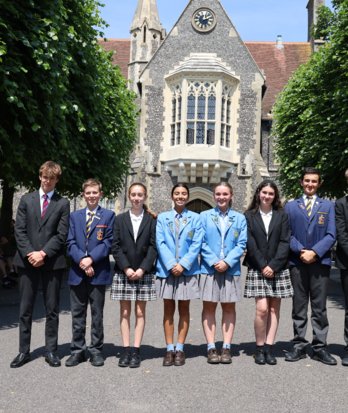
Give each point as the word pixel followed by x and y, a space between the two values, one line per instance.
pixel 304 386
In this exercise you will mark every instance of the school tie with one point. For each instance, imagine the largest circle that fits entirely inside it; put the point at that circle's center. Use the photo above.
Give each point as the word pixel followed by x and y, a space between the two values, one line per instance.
pixel 177 233
pixel 44 205
pixel 89 223
pixel 309 205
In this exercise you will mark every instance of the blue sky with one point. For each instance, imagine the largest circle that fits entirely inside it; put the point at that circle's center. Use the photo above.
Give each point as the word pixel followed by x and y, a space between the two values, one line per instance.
pixel 254 19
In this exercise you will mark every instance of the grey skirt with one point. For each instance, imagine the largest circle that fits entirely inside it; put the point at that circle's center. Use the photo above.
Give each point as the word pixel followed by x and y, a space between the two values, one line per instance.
pixel 178 288
pixel 140 290
pixel 220 287
pixel 256 285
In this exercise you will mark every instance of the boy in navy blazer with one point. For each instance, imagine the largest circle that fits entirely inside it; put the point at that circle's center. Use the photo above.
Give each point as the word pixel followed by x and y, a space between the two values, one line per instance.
pixel 313 233
pixel 89 242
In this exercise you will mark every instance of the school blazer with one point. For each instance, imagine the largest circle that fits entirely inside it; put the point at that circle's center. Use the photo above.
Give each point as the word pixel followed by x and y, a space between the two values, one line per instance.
pixel 234 242
pixel 34 233
pixel 317 232
pixel 190 241
pixel 341 210
pixel 141 253
pixel 97 246
pixel 272 250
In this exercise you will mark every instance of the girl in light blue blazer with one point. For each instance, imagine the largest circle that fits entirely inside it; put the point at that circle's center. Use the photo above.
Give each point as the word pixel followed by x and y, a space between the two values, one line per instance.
pixel 223 245
pixel 178 237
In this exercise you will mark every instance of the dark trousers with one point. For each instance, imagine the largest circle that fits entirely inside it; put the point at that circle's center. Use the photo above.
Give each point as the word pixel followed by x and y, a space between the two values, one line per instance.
pixel 310 283
pixel 28 287
pixel 344 282
pixel 80 296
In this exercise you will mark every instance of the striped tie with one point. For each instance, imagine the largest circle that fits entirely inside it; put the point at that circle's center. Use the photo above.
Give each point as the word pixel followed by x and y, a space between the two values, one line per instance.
pixel 44 205
pixel 309 205
pixel 177 233
pixel 89 223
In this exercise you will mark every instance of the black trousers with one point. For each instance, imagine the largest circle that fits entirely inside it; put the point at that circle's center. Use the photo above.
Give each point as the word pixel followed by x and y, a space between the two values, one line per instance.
pixel 80 296
pixel 310 283
pixel 344 282
pixel 28 286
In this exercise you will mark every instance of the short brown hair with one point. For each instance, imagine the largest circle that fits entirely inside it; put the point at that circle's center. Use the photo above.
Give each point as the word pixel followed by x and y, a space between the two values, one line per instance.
pixel 51 169
pixel 92 182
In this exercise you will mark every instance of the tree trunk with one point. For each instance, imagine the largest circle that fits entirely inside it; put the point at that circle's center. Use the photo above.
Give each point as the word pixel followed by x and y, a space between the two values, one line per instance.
pixel 6 209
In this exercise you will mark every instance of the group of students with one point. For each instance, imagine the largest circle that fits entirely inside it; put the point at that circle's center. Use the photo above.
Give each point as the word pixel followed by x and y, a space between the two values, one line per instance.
pixel 178 256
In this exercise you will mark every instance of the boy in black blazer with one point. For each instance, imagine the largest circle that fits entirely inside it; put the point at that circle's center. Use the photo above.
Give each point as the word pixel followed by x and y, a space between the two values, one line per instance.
pixel 41 229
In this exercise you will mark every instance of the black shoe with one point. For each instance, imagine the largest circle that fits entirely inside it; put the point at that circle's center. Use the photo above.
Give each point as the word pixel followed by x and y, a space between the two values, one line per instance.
pixel 295 355
pixel 20 360
pixel 75 359
pixel 52 359
pixel 345 357
pixel 96 359
pixel 269 356
pixel 259 356
pixel 135 360
pixel 324 356
pixel 124 359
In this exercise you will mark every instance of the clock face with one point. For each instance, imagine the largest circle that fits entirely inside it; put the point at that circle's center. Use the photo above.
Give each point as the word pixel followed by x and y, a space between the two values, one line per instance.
pixel 203 20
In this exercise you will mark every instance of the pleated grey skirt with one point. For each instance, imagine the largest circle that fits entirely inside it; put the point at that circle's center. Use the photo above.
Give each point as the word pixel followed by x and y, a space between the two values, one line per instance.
pixel 220 288
pixel 178 288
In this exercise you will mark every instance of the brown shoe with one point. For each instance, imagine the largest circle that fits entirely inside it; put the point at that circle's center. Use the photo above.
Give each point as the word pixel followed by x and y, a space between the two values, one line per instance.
pixel 225 357
pixel 179 359
pixel 213 357
pixel 168 359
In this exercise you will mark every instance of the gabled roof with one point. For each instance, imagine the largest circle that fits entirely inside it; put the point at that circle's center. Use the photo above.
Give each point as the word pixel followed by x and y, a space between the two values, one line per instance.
pixel 277 62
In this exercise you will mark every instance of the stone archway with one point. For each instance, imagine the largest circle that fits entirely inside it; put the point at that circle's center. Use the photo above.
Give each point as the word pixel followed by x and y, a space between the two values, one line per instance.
pixel 201 199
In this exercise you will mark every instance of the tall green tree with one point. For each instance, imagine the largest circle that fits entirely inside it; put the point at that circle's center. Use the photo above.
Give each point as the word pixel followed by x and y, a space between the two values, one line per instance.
pixel 311 114
pixel 61 98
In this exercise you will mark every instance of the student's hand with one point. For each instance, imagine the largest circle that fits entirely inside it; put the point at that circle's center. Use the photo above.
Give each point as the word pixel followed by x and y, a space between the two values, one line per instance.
pixel 36 259
pixel 89 271
pixel 130 273
pixel 268 272
pixel 177 270
pixel 308 256
pixel 221 266
pixel 138 274
pixel 85 263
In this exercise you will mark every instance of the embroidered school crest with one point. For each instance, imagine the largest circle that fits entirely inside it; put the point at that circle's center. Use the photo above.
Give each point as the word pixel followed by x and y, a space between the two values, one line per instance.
pixel 236 234
pixel 321 219
pixel 100 234
pixel 190 234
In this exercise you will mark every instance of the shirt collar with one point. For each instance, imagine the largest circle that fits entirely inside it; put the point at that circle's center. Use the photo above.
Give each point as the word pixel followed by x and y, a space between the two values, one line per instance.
pixel 49 194
pixel 266 214
pixel 93 212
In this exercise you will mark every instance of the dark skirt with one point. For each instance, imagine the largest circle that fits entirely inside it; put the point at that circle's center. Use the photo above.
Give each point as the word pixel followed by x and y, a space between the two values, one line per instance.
pixel 256 285
pixel 141 290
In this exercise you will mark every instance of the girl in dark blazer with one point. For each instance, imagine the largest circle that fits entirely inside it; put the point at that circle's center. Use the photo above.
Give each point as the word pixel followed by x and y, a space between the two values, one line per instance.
pixel 134 250
pixel 268 279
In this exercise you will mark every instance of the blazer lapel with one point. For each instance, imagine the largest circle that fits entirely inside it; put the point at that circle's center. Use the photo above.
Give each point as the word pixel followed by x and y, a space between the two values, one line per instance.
pixel 37 206
pixel 128 223
pixel 143 223
pixel 302 206
pixel 215 218
pixel 259 222
pixel 274 221
pixel 315 208
pixel 186 218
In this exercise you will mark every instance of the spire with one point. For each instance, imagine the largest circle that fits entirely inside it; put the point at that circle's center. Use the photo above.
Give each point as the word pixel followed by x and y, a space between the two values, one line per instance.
pixel 146 11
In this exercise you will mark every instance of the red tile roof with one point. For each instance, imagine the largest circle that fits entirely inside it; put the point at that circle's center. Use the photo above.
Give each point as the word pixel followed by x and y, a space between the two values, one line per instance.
pixel 121 49
pixel 277 63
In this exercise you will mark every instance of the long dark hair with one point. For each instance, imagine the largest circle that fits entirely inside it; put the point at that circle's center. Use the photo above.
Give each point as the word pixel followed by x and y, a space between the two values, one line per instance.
pixel 255 203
